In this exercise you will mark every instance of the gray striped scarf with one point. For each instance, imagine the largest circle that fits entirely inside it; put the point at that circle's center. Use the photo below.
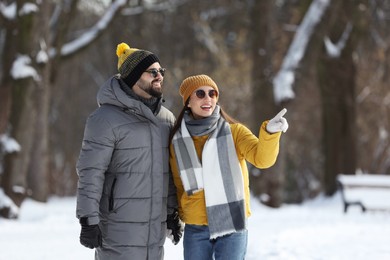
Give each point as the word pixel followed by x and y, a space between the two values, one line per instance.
pixel 219 175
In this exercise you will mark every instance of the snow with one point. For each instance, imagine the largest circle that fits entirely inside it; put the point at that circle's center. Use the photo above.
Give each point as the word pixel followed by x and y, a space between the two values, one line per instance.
pixel 6 202
pixel 28 8
pixel 21 68
pixel 370 189
pixel 42 57
pixel 9 12
pixel 365 180
pixel 317 229
pixel 9 144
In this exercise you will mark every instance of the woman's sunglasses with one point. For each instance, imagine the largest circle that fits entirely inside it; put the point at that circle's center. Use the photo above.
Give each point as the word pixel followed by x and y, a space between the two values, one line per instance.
pixel 200 93
pixel 154 72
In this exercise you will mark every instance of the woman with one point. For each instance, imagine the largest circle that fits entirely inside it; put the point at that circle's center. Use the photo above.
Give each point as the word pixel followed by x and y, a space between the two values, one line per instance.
pixel 208 154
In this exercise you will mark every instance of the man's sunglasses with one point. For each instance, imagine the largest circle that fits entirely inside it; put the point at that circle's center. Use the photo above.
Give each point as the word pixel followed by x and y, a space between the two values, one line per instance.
pixel 200 93
pixel 154 72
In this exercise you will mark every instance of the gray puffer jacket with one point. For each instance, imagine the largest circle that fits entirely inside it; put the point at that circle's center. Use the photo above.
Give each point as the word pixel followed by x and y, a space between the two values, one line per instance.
pixel 124 175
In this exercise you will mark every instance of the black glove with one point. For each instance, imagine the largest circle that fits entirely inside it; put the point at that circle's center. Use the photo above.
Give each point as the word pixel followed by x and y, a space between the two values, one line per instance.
pixel 90 235
pixel 175 227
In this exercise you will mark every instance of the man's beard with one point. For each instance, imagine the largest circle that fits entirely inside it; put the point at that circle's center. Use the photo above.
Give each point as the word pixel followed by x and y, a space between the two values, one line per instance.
pixel 148 88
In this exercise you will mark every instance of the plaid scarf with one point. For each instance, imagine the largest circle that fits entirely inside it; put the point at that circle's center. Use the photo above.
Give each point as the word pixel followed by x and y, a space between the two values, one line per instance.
pixel 219 175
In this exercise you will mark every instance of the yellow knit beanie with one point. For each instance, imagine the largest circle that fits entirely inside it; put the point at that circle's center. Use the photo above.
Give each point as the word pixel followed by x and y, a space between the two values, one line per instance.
pixel 190 84
pixel 133 62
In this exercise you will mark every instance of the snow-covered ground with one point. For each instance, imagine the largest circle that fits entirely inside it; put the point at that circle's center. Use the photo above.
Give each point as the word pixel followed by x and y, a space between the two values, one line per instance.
pixel 317 229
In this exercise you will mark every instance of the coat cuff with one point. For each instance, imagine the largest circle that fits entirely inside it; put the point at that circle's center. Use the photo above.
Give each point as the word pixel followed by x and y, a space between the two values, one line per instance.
pixel 89 221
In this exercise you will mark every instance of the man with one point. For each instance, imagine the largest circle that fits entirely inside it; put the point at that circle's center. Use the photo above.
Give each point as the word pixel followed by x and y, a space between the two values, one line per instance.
pixel 125 191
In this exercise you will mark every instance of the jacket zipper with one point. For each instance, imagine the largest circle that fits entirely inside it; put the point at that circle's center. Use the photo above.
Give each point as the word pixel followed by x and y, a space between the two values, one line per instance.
pixel 111 198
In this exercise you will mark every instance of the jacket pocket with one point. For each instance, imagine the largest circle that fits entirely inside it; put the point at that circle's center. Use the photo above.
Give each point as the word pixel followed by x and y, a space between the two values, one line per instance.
pixel 111 198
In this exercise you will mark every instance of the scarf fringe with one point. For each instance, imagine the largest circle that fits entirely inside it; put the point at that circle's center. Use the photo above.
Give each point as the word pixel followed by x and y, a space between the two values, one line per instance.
pixel 224 233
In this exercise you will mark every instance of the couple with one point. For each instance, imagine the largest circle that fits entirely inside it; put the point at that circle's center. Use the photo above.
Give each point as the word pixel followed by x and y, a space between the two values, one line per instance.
pixel 141 174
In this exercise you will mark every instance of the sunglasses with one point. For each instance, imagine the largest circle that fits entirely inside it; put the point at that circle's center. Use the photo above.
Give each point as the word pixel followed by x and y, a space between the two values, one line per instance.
pixel 200 93
pixel 154 72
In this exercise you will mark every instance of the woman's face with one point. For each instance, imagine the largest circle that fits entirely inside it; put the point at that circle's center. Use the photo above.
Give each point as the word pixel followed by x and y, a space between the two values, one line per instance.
pixel 203 101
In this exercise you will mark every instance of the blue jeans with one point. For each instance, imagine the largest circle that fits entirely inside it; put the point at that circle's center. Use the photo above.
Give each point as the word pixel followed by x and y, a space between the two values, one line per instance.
pixel 198 246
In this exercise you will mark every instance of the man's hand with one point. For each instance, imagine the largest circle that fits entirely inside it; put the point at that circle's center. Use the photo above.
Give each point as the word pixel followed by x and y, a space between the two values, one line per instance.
pixel 90 236
pixel 278 123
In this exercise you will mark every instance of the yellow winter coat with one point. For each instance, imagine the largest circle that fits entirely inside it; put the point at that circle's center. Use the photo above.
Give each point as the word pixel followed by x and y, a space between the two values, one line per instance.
pixel 260 152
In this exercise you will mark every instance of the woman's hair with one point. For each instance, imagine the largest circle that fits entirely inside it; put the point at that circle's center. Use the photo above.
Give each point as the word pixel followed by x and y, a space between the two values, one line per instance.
pixel 177 124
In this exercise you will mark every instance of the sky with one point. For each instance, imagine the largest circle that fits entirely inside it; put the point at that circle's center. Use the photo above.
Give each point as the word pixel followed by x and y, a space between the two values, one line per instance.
pixel 317 229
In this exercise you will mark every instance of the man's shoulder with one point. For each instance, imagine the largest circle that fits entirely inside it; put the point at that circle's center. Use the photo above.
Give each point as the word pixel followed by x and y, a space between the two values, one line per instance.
pixel 106 110
pixel 110 114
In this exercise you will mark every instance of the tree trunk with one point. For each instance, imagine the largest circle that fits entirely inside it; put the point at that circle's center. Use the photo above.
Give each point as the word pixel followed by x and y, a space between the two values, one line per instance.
pixel 37 171
pixel 7 55
pixel 23 111
pixel 337 83
pixel 270 182
pixel 22 117
pixel 37 175
pixel 337 86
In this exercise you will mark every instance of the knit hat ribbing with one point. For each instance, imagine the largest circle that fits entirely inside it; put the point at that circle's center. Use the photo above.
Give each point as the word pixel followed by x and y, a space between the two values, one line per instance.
pixel 133 62
pixel 190 84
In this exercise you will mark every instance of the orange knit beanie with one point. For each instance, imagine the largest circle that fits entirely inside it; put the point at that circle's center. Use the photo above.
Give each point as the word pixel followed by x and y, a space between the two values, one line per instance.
pixel 190 84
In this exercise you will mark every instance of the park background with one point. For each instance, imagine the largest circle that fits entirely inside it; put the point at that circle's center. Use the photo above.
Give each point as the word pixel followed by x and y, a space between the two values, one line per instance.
pixel 326 61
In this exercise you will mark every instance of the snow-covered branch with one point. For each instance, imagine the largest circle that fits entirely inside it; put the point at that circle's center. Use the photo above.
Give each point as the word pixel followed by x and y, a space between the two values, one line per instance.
pixel 151 6
pixel 285 78
pixel 7 203
pixel 204 34
pixel 334 50
pixel 9 11
pixel 91 34
pixel 21 68
pixel 8 144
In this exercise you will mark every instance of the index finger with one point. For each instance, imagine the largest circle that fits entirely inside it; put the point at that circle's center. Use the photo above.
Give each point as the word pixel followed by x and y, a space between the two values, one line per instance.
pixel 281 113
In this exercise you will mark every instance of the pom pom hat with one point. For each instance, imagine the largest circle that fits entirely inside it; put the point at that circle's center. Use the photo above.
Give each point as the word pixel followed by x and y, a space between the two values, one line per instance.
pixel 190 84
pixel 133 62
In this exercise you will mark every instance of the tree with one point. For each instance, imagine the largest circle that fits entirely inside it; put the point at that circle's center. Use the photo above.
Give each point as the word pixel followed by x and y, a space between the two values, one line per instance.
pixel 271 181
pixel 337 80
pixel 27 87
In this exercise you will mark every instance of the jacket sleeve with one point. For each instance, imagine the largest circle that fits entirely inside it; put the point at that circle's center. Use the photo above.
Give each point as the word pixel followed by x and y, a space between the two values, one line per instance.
pixel 260 151
pixel 95 156
pixel 172 196
pixel 172 204
pixel 176 178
